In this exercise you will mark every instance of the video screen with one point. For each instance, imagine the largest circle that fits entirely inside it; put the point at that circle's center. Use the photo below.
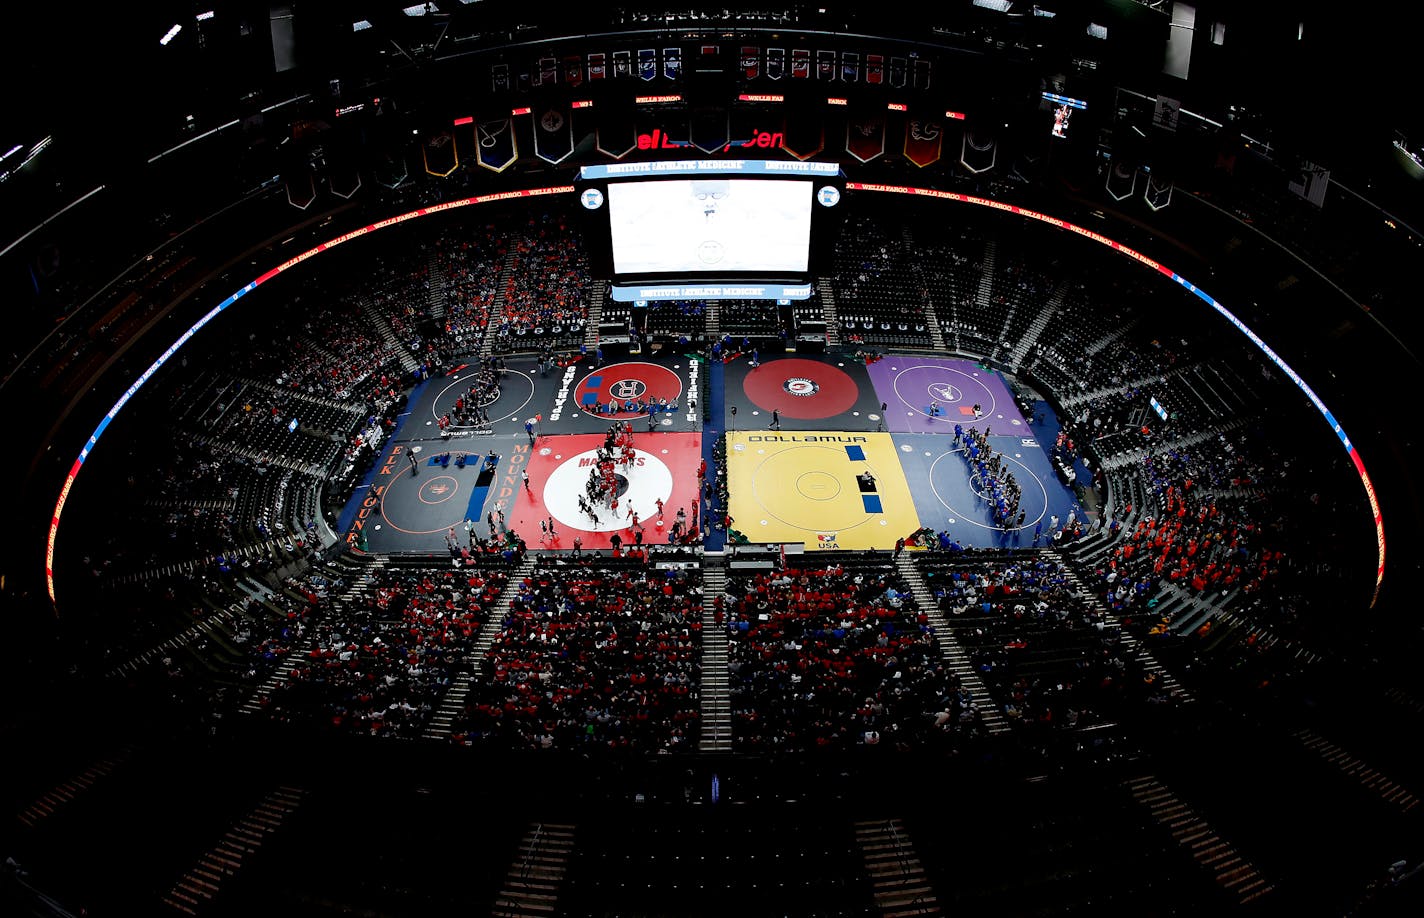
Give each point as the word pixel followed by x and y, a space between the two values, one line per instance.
pixel 1062 108
pixel 711 225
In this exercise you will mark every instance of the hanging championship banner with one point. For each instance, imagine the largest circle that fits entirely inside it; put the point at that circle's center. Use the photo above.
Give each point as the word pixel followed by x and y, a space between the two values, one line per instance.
pixel 439 153
pixel 899 69
pixel 497 147
pixel 647 64
pixel 622 65
pixel 978 151
pixel 775 63
pixel 672 63
pixel 573 70
pixel 805 136
pixel 751 62
pixel 554 134
pixel 924 140
pixel 499 78
pixel 710 131
pixel 800 64
pixel 548 72
pixel 615 135
pixel 596 67
pixel 874 68
pixel 922 73
pixel 850 67
pixel 825 65
pixel 865 136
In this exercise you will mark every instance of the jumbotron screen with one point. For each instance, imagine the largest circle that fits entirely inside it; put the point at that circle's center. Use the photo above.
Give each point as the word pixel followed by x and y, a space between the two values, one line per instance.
pixel 713 225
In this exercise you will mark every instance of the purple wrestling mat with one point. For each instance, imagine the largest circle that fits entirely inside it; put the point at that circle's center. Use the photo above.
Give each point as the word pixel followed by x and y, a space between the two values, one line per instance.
pixel 915 388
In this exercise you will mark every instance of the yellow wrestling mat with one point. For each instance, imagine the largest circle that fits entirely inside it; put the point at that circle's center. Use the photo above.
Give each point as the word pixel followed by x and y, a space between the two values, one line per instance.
pixel 812 487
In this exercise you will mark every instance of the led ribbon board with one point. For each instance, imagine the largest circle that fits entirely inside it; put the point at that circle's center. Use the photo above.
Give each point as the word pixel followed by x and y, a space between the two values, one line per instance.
pixel 855 186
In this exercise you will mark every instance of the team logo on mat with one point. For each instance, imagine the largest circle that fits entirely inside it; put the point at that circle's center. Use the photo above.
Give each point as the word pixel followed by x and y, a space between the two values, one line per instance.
pixel 944 392
pixel 801 386
pixel 627 389
pixel 623 384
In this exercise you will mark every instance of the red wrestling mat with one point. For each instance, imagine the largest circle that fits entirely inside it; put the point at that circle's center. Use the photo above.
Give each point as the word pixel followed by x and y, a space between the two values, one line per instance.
pixel 664 467
pixel 621 383
pixel 799 388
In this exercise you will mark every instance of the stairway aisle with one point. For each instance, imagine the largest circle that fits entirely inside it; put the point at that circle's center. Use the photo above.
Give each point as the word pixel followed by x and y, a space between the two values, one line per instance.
pixel 531 886
pixel 1195 834
pixel 1130 643
pixel 829 308
pixel 1036 327
pixel 436 287
pixel 453 704
pixel 900 885
pixel 278 676
pixel 408 361
pixel 496 310
pixel 926 305
pixel 715 696
pixel 954 655
pixel 596 296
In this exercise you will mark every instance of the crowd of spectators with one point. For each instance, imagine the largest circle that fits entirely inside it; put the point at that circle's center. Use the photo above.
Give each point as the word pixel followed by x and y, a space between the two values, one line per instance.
pixel 468 265
pixel 1052 660
pixel 835 655
pixel 380 662
pixel 827 657
pixel 1192 538
pixel 546 292
pixel 596 653
pixel 329 352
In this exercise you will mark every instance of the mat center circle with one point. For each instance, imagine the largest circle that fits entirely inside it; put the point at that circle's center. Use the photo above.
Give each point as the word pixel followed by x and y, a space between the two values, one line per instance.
pixel 628 389
pixel 818 485
pixel 945 392
pixel 438 489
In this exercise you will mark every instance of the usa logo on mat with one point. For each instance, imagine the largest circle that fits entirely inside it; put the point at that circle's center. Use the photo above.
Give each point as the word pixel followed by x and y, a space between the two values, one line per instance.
pixel 801 386
pixel 826 540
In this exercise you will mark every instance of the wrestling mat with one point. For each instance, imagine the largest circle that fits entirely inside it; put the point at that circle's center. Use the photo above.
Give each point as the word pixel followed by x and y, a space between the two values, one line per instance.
pixel 823 488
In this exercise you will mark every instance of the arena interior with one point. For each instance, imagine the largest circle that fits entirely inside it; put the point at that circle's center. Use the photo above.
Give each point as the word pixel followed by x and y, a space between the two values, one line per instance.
pixel 660 460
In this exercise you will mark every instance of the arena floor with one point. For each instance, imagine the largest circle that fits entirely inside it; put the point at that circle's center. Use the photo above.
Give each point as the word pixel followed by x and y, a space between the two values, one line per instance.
pixel 822 450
